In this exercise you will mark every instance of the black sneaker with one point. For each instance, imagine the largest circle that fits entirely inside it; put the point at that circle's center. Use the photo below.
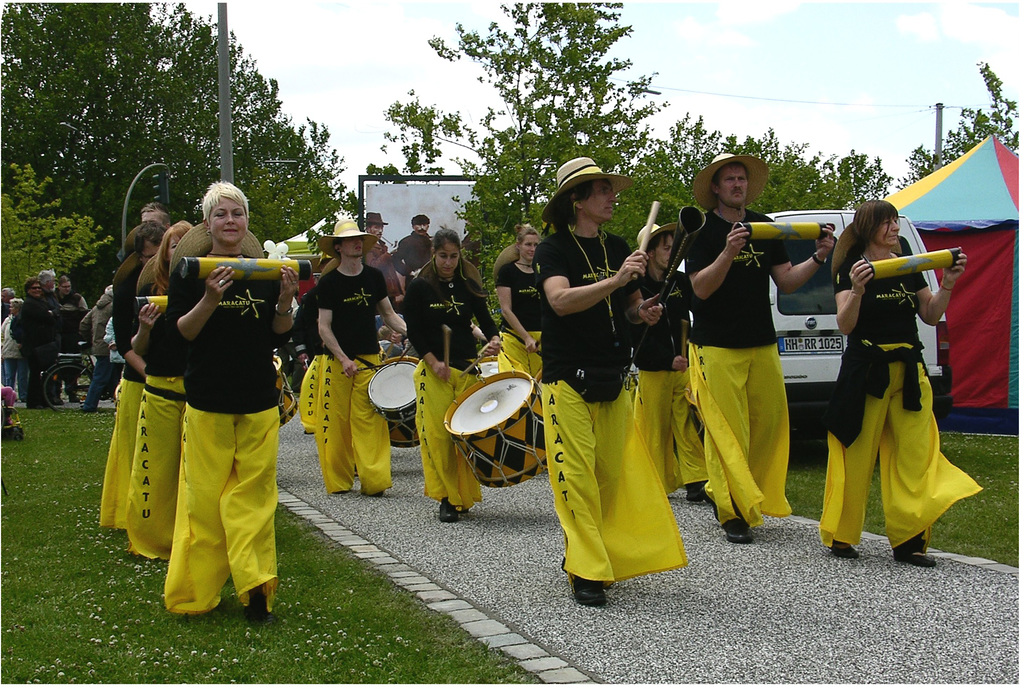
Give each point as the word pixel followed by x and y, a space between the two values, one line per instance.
pixel 448 513
pixel 695 492
pixel 844 550
pixel 737 531
pixel 257 611
pixel 588 592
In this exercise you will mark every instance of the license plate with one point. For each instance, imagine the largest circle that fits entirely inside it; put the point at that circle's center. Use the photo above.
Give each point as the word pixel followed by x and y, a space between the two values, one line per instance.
pixel 814 344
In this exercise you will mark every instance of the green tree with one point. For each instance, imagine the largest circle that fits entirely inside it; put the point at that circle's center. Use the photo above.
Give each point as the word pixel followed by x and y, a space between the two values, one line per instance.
pixel 974 127
pixel 37 236
pixel 92 93
pixel 550 69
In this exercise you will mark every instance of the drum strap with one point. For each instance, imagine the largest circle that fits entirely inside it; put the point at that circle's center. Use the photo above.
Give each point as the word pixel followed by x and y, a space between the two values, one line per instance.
pixel 172 395
pixel 366 363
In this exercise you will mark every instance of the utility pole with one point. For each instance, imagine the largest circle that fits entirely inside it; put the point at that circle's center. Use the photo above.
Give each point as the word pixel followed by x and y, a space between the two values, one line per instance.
pixel 227 165
pixel 938 136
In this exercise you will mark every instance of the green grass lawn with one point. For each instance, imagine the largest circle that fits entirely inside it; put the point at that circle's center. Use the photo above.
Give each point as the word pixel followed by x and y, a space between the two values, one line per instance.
pixel 77 607
pixel 984 525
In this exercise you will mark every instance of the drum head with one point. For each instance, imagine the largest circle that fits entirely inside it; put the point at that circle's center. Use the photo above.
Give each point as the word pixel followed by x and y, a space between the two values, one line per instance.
pixel 489 403
pixel 488 366
pixel 392 386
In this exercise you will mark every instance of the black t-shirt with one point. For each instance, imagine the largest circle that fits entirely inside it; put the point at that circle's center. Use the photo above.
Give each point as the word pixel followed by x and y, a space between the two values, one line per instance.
pixel 888 309
pixel 167 348
pixel 739 313
pixel 525 296
pixel 230 366
pixel 125 322
pixel 591 338
pixel 664 339
pixel 305 330
pixel 352 301
pixel 455 306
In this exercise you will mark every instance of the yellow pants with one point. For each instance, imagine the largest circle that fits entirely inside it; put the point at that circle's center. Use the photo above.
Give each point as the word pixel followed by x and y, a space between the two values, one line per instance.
pixel 351 433
pixel 446 474
pixel 117 476
pixel 514 357
pixel 226 505
pixel 153 493
pixel 608 498
pixel 918 483
pixel 309 396
pixel 665 424
pixel 742 398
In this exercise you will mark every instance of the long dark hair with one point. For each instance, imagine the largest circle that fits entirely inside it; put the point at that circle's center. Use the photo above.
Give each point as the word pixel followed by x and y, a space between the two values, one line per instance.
pixel 466 270
pixel 563 209
pixel 856 237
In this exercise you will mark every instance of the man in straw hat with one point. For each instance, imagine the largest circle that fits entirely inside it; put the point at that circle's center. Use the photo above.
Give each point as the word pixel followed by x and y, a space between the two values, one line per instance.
pixel 661 409
pixel 144 243
pixel 609 500
pixel 736 373
pixel 350 434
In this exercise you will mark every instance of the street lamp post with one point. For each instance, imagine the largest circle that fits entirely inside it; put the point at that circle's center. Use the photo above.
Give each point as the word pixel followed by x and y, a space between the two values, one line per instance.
pixel 127 197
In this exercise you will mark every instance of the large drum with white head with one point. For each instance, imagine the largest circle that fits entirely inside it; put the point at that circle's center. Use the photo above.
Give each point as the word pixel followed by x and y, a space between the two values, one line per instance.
pixel 393 394
pixel 498 427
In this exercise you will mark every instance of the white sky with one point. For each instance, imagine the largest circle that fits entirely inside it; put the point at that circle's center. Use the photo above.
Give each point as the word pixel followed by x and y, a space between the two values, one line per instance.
pixel 867 73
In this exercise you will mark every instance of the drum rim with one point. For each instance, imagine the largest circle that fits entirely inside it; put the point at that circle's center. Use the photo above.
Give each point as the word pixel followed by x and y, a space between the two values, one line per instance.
pixel 475 387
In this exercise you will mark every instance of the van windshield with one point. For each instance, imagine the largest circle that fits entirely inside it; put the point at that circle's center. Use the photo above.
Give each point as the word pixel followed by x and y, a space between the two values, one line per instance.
pixel 815 297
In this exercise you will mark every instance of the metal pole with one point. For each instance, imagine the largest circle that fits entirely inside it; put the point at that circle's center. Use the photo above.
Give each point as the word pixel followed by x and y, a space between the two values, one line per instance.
pixel 938 136
pixel 124 211
pixel 227 165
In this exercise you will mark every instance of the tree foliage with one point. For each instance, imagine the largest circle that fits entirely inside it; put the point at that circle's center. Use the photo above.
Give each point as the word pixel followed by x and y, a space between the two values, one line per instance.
pixel 974 127
pixel 92 93
pixel 37 236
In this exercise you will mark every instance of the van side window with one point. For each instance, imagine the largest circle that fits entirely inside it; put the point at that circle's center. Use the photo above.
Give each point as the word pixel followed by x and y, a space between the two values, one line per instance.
pixel 815 297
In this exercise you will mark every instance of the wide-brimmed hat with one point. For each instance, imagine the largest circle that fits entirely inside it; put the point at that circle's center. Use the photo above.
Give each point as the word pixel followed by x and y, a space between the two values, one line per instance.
pixel 198 242
pixel 757 177
pixel 655 231
pixel 344 229
pixel 373 218
pixel 576 172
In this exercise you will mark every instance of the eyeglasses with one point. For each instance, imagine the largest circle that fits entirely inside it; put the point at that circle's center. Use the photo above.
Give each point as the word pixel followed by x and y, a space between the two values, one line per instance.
pixel 35 286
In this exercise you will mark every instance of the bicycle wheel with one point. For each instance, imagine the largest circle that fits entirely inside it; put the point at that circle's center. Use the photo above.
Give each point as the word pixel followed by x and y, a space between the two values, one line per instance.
pixel 65 384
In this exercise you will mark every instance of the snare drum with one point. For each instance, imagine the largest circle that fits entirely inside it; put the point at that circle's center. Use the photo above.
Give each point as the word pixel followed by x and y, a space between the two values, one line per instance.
pixel 498 427
pixel 393 394
pixel 488 366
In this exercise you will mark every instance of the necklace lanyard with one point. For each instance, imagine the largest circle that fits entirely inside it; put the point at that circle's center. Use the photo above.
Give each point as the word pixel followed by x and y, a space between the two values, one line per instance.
pixel 607 270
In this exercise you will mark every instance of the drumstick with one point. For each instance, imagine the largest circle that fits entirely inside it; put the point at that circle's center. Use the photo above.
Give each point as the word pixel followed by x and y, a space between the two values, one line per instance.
pixel 684 327
pixel 645 235
pixel 447 341
pixel 476 361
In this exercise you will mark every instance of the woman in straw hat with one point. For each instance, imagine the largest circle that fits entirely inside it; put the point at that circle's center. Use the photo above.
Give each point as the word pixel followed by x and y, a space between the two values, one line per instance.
pixel 609 500
pixel 153 487
pixel 516 286
pixel 226 505
pixel 145 242
pixel 882 405
pixel 736 373
pixel 448 293
pixel 351 434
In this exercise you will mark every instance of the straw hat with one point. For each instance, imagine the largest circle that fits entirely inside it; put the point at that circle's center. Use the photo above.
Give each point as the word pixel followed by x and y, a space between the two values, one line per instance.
pixel 197 242
pixel 655 231
pixel 757 177
pixel 508 255
pixel 343 229
pixel 576 172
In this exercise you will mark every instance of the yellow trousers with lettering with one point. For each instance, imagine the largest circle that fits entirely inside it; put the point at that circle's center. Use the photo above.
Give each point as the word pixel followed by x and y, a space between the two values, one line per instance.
pixel 153 492
pixel 608 497
pixel 351 434
pixel 117 476
pixel 742 398
pixel 309 396
pixel 665 424
pixel 918 483
pixel 226 505
pixel 514 357
pixel 446 474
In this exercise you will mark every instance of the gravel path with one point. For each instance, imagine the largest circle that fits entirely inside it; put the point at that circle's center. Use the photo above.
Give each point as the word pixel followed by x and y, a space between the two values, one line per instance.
pixel 778 610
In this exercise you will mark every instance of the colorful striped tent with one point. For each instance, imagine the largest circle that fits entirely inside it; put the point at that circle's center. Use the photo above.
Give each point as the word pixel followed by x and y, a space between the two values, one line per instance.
pixel 973 203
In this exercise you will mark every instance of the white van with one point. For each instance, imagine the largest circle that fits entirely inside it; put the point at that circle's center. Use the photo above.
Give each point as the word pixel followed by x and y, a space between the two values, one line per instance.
pixel 810 344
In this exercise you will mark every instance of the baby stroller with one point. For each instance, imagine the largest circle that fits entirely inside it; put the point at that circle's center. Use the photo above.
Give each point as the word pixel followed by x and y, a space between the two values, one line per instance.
pixel 12 424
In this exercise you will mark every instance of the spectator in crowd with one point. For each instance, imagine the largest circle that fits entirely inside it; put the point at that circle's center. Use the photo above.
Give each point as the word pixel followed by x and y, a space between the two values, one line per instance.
pixel 40 325
pixel 381 259
pixel 92 329
pixel 6 294
pixel 72 310
pixel 415 250
pixel 15 367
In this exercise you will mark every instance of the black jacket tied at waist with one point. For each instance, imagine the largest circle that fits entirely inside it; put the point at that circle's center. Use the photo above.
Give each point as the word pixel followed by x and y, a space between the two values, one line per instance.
pixel 865 371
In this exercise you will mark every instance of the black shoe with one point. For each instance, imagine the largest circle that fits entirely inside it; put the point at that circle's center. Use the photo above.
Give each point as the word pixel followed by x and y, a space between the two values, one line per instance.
pixel 378 494
pixel 845 551
pixel 695 491
pixel 448 513
pixel 737 531
pixel 587 592
pixel 257 611
pixel 916 559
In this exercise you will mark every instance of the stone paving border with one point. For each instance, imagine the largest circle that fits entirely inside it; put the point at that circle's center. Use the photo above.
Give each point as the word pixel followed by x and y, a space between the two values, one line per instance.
pixel 533 658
